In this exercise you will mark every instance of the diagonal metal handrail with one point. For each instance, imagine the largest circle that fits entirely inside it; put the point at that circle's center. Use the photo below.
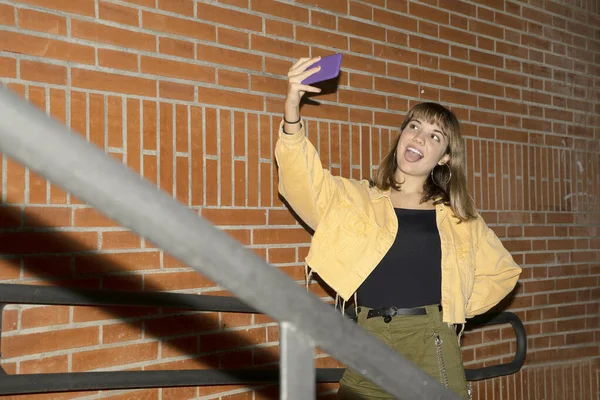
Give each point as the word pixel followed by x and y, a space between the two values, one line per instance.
pixel 47 147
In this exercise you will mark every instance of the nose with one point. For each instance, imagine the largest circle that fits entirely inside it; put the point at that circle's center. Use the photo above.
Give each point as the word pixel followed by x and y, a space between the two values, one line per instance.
pixel 419 139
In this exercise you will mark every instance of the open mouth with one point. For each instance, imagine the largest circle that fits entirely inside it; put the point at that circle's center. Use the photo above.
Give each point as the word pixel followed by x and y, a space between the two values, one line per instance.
pixel 411 154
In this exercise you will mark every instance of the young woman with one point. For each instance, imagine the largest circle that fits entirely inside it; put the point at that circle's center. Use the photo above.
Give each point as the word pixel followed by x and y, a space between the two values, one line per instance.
pixel 409 247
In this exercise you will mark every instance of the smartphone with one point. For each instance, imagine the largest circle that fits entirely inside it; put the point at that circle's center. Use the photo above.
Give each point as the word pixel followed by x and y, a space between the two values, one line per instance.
pixel 330 68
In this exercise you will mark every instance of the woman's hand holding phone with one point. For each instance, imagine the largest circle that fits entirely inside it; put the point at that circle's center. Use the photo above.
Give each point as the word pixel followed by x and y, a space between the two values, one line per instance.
pixel 296 89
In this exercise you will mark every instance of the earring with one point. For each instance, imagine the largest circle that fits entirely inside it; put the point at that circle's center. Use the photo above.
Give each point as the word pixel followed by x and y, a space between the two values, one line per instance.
pixel 444 184
pixel 395 157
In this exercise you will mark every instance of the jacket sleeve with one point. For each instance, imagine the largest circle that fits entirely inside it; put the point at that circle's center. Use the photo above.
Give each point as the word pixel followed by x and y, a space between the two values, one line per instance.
pixel 496 274
pixel 305 185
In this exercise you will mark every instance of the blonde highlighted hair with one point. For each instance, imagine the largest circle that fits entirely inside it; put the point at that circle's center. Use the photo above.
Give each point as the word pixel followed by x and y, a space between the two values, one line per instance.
pixel 454 190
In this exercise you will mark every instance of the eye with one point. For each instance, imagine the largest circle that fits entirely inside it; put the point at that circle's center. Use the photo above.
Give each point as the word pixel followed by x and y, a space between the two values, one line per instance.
pixel 413 126
pixel 436 137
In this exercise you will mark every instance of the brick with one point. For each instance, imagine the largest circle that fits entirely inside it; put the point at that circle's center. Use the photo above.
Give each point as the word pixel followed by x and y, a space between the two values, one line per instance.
pixel 96 80
pixel 422 11
pixel 339 42
pixel 428 29
pixel 361 10
pixel 111 35
pixel 458 36
pixel 7 15
pixel 434 78
pixel 486 58
pixel 183 324
pixel 145 3
pixel 460 7
pixel 177 91
pixel 231 340
pixel 392 53
pixel 90 217
pixel 337 6
pixel 82 7
pixel 361 29
pixel 458 67
pixel 46 365
pixel 177 281
pixel 281 255
pixel 8 67
pixel 428 45
pixel 42 242
pixel 361 81
pixel 281 10
pixel 487 88
pixel 361 46
pixel 176 47
pixel 42 22
pixel 279 47
pixel 41 72
pixel 183 7
pixel 117 262
pixel 178 26
pixel 486 29
pixel 230 99
pixel 454 97
pixel 234 217
pixel 279 28
pixel 118 59
pixel 228 57
pixel 280 236
pixel 14 346
pixel 49 48
pixel 362 99
pixel 122 332
pixel 323 20
pixel 266 84
pixel 232 79
pixel 119 14
pixel 177 69
pixel 47 216
pixel 120 240
pixel 114 356
pixel 44 316
pixel 208 12
pixel 396 20
pixel 237 3
pixel 233 38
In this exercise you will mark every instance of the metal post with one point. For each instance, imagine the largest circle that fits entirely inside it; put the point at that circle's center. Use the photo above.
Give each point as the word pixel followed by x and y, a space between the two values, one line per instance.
pixel 297 364
pixel 48 148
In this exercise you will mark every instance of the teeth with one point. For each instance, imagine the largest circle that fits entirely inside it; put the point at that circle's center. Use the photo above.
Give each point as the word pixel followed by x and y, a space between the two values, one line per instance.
pixel 414 151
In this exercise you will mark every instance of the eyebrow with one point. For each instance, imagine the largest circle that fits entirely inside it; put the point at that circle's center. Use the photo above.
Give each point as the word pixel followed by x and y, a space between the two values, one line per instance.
pixel 435 130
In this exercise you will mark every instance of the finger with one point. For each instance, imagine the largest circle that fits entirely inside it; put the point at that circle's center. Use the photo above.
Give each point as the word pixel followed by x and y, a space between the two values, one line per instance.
pixel 302 76
pixel 304 65
pixel 300 61
pixel 305 88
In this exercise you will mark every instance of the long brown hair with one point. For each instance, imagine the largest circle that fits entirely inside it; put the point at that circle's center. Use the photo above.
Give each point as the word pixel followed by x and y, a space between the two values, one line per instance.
pixel 454 191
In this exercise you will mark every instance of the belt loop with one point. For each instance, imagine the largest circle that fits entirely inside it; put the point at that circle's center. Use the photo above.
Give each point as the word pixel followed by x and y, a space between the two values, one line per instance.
pixel 435 314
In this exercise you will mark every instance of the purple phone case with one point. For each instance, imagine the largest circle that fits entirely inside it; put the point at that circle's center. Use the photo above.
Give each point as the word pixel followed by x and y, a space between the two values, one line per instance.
pixel 330 68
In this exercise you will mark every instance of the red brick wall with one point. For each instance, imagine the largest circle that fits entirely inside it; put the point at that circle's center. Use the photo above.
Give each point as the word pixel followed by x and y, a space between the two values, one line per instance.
pixel 189 94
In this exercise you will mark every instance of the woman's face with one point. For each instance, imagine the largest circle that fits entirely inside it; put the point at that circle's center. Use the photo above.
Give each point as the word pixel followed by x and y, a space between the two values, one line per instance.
pixel 421 147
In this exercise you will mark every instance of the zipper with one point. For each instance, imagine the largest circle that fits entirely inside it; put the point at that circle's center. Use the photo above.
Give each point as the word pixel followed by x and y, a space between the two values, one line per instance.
pixel 440 359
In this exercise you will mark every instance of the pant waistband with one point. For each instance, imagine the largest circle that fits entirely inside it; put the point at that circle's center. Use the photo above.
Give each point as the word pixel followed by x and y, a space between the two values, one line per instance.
pixel 389 312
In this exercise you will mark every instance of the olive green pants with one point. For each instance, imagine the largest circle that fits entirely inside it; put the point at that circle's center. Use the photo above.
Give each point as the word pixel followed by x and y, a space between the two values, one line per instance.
pixel 415 337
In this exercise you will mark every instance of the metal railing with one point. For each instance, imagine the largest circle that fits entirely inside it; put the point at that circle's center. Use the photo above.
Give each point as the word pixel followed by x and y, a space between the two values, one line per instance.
pixel 65 382
pixel 47 147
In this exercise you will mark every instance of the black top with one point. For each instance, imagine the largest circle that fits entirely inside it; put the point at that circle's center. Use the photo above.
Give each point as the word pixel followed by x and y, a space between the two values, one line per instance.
pixel 410 274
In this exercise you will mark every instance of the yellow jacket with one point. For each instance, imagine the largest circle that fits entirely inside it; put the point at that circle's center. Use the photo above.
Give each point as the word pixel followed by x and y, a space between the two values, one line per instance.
pixel 355 225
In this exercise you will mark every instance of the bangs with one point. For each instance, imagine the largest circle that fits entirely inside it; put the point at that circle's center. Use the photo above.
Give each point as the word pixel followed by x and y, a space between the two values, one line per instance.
pixel 435 114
